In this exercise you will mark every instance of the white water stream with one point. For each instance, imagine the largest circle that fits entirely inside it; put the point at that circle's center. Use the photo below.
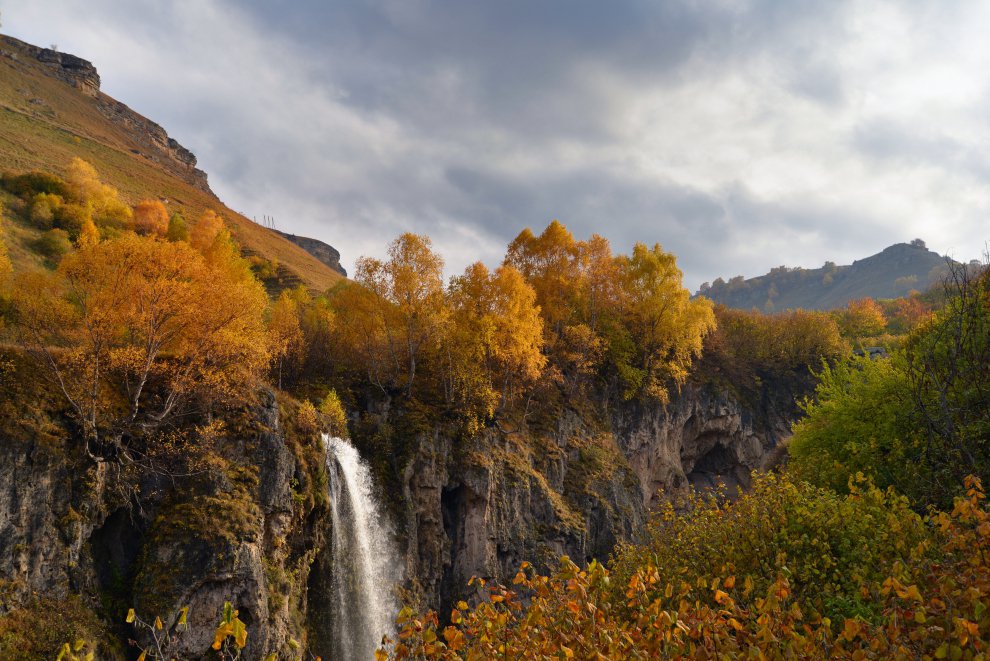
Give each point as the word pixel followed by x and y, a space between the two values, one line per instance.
pixel 366 566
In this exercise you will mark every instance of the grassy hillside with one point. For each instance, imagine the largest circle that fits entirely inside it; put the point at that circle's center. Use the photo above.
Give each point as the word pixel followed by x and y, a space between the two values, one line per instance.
pixel 891 273
pixel 45 121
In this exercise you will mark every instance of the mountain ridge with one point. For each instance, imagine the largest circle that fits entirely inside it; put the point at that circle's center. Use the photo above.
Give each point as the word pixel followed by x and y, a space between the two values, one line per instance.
pixel 895 271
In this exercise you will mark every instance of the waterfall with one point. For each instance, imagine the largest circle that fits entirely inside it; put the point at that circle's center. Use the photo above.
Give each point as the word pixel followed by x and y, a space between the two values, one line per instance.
pixel 366 567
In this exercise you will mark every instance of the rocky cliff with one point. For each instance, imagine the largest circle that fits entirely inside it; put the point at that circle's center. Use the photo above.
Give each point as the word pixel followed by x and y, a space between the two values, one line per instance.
pixel 576 487
pixel 246 526
pixel 318 249
pixel 247 521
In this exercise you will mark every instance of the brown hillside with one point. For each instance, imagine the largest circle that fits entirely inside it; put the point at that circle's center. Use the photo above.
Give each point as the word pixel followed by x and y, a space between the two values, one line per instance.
pixel 51 110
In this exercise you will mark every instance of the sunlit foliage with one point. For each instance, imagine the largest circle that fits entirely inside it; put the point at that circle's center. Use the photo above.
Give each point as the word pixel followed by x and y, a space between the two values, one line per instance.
pixel 863 317
pixel 493 340
pixel 119 314
pixel 623 318
pixel 150 218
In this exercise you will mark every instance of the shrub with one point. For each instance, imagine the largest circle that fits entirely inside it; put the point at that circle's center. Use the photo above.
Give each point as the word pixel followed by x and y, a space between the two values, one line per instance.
pixel 27 184
pixel 72 218
pixel 52 244
pixel 177 228
pixel 828 545
pixel 43 208
pixel 150 218
pixel 933 604
pixel 859 421
pixel 334 415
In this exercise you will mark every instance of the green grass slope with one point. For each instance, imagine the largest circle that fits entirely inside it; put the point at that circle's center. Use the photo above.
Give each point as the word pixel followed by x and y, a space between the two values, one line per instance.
pixel 45 121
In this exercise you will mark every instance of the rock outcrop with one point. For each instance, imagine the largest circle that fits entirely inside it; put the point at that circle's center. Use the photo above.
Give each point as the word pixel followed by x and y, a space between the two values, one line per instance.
pixel 157 145
pixel 703 437
pixel 318 249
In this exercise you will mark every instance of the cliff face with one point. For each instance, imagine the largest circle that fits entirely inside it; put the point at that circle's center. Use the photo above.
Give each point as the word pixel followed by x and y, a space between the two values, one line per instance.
pixel 252 525
pixel 481 507
pixel 318 249
pixel 248 533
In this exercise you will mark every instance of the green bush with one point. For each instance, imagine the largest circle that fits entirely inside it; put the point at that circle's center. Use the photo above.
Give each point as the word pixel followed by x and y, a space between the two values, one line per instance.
pixel 52 244
pixel 918 421
pixel 859 421
pixel 829 546
pixel 177 228
pixel 28 184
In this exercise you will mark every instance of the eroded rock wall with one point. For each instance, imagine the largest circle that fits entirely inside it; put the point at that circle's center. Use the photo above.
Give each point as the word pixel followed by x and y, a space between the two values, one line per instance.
pixel 248 533
pixel 481 507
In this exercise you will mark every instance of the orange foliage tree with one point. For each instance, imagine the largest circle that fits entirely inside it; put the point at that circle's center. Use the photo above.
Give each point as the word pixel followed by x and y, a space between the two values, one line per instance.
pixel 628 313
pixel 862 317
pixel 405 306
pixel 119 315
pixel 285 336
pixel 150 218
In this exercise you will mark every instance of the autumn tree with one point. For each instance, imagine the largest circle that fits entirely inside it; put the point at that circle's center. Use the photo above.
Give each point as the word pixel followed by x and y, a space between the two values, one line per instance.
pixel 578 289
pixel 667 327
pixel 494 340
pixel 549 263
pixel 206 231
pixel 406 304
pixel 150 218
pixel 360 344
pixel 317 320
pixel 861 318
pixel 121 315
pixel 97 201
pixel 285 337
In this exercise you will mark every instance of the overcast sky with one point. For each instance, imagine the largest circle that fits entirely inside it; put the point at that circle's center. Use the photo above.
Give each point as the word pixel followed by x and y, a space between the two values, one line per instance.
pixel 739 134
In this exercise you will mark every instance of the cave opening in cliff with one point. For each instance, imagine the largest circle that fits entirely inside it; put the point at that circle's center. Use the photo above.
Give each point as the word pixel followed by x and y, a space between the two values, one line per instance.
pixel 452 509
pixel 714 467
pixel 115 546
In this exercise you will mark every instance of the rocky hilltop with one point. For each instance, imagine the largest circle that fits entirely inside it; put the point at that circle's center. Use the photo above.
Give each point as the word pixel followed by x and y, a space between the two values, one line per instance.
pixel 893 272
pixel 81 74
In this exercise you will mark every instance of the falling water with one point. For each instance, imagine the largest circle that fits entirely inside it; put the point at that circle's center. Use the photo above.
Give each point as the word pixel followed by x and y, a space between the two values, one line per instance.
pixel 365 565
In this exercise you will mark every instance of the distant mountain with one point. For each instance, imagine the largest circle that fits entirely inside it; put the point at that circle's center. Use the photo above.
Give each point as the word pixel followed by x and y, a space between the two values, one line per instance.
pixel 52 109
pixel 891 273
